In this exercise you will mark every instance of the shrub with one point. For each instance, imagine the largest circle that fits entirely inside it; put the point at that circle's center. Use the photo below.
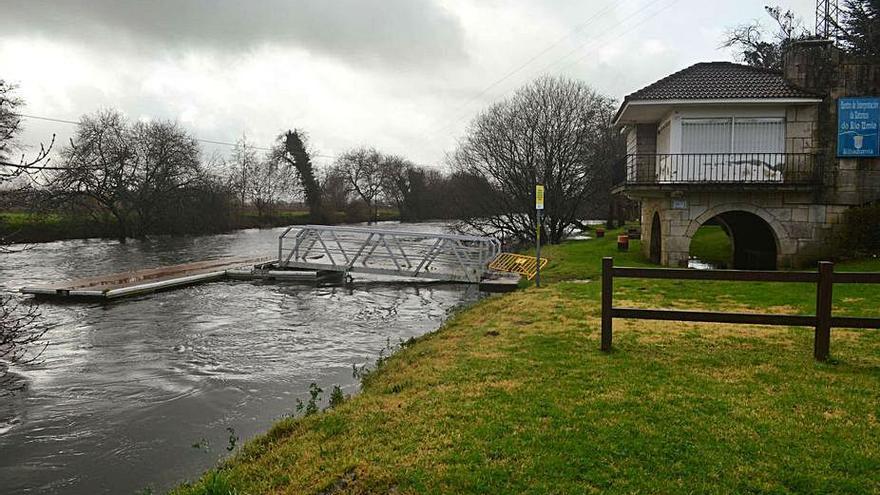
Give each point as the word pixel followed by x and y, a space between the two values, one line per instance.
pixel 862 229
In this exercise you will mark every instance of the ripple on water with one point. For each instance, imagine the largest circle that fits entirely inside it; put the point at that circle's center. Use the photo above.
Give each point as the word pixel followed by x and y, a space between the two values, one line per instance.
pixel 139 382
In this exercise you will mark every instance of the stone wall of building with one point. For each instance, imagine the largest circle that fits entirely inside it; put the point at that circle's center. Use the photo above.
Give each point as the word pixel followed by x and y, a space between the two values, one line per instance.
pixel 805 231
pixel 806 224
pixel 820 67
pixel 801 129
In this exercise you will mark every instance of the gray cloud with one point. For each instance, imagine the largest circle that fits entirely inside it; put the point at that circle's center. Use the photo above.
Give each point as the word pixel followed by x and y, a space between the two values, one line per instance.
pixel 392 32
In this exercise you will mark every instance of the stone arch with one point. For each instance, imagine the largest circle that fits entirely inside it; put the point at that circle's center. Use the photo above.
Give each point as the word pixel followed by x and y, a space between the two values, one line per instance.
pixel 742 219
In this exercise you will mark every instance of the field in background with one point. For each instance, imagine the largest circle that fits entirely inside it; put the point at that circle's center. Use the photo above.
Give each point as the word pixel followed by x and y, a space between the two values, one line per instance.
pixel 46 227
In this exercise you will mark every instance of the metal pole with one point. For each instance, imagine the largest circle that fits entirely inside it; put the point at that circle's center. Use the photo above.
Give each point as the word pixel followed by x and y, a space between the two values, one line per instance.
pixel 538 252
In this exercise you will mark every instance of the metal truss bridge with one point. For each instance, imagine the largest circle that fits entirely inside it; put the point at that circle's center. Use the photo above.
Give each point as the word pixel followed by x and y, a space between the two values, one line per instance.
pixel 437 256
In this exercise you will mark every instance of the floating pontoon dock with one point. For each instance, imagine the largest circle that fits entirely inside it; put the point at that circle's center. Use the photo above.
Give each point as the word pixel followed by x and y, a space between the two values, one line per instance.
pixel 145 281
pixel 311 254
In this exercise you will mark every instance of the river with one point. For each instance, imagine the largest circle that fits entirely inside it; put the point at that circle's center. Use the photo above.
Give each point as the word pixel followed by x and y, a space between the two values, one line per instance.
pixel 140 393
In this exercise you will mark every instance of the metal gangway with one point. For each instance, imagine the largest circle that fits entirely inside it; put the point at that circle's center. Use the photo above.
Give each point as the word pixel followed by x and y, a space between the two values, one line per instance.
pixel 461 258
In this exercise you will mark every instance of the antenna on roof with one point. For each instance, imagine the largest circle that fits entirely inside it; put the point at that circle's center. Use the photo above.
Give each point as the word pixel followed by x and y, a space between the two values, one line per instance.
pixel 827 14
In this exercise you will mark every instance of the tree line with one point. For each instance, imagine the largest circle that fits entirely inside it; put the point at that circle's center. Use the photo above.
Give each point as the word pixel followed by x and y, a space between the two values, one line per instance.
pixel 141 178
pixel 152 178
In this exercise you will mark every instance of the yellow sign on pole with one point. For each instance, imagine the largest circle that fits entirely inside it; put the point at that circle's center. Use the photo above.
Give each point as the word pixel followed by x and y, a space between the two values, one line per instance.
pixel 539 207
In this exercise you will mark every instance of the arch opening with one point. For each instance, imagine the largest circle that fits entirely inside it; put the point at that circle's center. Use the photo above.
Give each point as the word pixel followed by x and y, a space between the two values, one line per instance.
pixel 734 239
pixel 656 239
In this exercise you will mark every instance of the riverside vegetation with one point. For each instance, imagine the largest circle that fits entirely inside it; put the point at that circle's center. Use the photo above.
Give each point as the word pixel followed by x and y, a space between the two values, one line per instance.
pixel 26 227
pixel 513 396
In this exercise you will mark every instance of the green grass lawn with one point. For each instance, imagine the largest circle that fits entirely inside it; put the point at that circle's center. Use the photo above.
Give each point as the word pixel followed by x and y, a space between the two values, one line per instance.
pixel 19 220
pixel 43 227
pixel 514 396
pixel 712 245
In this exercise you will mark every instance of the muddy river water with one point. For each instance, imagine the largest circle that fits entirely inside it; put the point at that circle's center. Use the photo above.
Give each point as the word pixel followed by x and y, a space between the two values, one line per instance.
pixel 142 393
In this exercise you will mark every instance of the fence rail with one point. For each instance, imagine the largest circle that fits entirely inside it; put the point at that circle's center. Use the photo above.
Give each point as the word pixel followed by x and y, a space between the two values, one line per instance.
pixel 718 168
pixel 822 321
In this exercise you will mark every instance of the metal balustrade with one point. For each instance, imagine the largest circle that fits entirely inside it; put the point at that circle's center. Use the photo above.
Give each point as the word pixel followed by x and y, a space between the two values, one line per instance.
pixel 718 168
pixel 436 256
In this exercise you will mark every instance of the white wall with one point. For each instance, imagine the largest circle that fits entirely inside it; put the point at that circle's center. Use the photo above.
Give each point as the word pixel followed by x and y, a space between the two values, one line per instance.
pixel 631 140
pixel 664 133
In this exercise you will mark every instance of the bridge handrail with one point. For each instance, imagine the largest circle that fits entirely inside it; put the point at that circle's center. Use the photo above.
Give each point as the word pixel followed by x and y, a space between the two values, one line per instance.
pixel 406 253
pixel 409 233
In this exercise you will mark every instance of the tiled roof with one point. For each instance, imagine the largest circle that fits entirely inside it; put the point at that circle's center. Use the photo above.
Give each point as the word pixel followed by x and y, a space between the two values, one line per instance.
pixel 720 80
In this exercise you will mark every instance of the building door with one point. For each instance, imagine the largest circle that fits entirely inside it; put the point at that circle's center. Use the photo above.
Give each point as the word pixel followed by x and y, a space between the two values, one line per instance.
pixel 655 239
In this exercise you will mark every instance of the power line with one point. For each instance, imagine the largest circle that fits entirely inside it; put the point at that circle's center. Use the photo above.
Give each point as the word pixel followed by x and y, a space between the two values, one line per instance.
pixel 201 140
pixel 538 55
pixel 20 166
pixel 592 41
pixel 631 28
pixel 49 119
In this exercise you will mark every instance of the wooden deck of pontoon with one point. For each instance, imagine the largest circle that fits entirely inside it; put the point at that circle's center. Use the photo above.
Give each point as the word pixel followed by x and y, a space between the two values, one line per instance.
pixel 132 283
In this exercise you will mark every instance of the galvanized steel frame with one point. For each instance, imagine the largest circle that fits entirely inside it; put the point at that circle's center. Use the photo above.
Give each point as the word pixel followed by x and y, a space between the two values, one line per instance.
pixel 453 257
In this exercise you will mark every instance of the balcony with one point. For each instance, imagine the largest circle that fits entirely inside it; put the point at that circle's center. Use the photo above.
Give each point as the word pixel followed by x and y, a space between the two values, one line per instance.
pixel 716 171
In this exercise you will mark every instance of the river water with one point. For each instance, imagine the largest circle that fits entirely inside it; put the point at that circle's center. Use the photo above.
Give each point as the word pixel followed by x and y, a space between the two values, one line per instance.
pixel 140 393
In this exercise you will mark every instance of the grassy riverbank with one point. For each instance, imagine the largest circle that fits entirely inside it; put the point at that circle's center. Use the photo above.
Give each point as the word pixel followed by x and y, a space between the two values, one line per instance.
pixel 513 396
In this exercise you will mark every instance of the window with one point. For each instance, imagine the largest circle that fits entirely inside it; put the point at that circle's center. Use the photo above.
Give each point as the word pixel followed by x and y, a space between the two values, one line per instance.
pixel 706 135
pixel 733 135
pixel 759 135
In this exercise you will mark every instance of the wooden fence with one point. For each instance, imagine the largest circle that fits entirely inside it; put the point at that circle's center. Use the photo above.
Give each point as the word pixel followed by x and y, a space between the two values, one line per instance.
pixel 822 321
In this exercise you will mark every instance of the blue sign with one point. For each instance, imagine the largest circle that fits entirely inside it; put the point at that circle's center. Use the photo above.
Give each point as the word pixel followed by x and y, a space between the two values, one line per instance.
pixel 858 127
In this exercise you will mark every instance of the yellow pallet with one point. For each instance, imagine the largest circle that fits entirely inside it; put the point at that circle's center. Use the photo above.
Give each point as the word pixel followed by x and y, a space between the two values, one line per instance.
pixel 517 263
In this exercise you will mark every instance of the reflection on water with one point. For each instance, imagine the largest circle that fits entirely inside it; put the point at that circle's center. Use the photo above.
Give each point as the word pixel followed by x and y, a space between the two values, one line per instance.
pixel 126 389
pixel 698 264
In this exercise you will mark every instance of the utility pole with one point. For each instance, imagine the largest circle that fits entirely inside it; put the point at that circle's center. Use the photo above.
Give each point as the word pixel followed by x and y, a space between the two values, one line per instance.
pixel 539 208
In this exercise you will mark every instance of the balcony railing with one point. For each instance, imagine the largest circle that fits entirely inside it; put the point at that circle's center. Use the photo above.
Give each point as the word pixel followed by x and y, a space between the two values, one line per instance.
pixel 717 168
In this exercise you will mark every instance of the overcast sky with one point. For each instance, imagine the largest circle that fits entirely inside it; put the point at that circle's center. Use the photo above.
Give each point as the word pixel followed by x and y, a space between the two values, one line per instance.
pixel 405 76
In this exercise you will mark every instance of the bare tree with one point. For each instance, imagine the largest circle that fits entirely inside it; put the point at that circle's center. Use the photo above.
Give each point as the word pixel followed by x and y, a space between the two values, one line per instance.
pixel 551 132
pixel 751 43
pixel 20 328
pixel 99 171
pixel 360 168
pixel 269 180
pixel 10 126
pixel 127 171
pixel 166 160
pixel 395 175
pixel 21 334
pixel 260 181
pixel 334 192
pixel 241 168
pixel 10 123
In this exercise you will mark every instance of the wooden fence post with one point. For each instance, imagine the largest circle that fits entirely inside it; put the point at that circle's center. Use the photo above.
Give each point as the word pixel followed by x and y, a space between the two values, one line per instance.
pixel 822 339
pixel 607 301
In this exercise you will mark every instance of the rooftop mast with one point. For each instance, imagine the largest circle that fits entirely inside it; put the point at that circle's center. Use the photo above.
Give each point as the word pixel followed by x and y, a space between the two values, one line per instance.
pixel 827 15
